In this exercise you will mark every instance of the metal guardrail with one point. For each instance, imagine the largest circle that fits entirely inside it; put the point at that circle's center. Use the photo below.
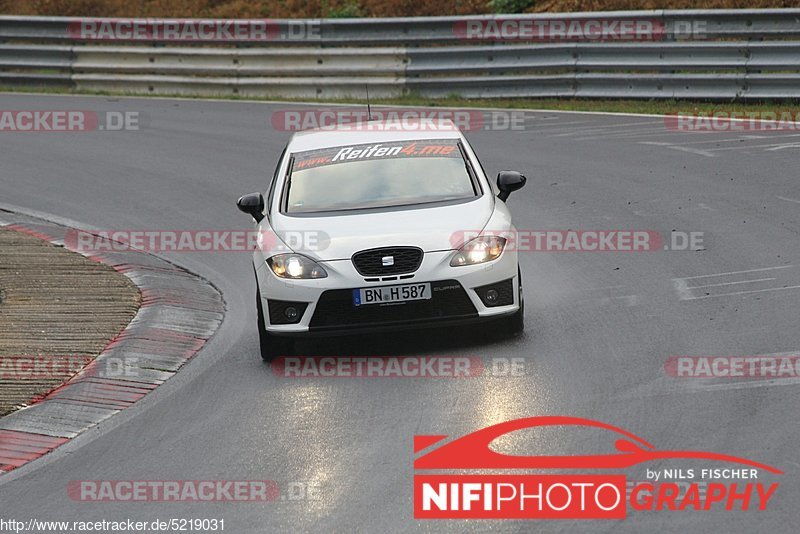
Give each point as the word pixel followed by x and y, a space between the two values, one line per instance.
pixel 716 24
pixel 727 54
pixel 604 56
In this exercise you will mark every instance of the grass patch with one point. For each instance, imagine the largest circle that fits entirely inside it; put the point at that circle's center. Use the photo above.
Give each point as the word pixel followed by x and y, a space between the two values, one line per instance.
pixel 654 107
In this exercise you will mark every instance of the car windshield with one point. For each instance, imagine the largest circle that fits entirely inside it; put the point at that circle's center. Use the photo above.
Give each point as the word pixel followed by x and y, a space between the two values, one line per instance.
pixel 378 175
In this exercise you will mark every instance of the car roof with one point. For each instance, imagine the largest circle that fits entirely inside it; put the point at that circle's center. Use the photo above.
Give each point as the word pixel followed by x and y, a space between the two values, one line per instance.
pixel 376 131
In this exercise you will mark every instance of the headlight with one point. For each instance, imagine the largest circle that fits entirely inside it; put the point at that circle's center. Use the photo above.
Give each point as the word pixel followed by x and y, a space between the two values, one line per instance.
pixel 295 266
pixel 479 250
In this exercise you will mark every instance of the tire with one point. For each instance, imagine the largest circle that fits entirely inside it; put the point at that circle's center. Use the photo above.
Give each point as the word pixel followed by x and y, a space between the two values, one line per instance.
pixel 271 346
pixel 517 322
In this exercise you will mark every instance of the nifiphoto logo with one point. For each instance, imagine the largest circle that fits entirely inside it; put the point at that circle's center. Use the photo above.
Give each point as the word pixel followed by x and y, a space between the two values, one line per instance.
pixel 442 491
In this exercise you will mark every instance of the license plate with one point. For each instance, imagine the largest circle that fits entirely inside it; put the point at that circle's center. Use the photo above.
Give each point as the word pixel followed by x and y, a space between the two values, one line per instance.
pixel 387 294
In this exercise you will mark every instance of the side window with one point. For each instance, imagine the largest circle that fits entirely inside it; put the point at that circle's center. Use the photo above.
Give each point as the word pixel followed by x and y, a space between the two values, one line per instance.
pixel 273 184
pixel 492 184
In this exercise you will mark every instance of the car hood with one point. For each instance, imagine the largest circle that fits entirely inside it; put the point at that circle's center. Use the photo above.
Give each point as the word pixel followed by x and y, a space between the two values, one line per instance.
pixel 430 228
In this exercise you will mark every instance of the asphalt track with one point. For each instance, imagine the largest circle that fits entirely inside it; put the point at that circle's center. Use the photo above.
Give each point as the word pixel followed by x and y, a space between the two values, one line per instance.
pixel 599 326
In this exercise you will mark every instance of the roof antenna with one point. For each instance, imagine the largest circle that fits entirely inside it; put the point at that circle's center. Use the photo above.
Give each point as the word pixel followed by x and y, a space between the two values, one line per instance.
pixel 369 109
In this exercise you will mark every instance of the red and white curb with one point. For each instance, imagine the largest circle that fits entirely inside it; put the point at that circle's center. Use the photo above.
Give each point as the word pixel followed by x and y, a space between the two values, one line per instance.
pixel 179 312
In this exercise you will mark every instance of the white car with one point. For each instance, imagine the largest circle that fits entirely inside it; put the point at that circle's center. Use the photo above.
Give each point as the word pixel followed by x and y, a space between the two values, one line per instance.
pixel 381 228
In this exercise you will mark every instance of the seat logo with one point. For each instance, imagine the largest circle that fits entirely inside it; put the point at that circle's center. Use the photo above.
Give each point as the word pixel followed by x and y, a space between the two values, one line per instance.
pixel 387 261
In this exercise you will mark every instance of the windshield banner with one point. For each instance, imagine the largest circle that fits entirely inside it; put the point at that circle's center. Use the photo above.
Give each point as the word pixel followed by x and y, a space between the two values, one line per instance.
pixel 439 148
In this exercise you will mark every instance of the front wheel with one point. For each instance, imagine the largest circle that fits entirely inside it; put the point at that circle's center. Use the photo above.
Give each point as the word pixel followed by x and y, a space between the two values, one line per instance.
pixel 271 346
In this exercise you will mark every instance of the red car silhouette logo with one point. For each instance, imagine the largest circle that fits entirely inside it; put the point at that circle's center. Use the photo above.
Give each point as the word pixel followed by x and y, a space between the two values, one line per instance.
pixel 472 451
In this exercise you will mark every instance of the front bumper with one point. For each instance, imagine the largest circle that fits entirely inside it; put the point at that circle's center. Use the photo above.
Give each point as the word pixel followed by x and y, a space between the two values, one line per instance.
pixel 325 306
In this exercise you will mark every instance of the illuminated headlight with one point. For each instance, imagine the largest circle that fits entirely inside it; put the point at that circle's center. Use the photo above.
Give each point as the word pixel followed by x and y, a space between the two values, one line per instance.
pixel 479 250
pixel 295 266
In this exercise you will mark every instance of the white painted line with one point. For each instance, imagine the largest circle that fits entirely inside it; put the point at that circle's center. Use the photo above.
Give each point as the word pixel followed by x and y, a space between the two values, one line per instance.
pixel 651 132
pixel 743 292
pixel 693 151
pixel 731 140
pixel 714 137
pixel 605 128
pixel 684 293
pixel 736 272
pixel 679 147
pixel 627 134
pixel 766 147
pixel 742 138
pixel 554 125
pixel 624 124
pixel 781 147
pixel 601 129
pixel 790 200
pixel 752 383
pixel 732 283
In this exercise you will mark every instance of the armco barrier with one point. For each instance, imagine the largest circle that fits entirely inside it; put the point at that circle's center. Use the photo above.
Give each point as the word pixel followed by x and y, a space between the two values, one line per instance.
pixel 706 54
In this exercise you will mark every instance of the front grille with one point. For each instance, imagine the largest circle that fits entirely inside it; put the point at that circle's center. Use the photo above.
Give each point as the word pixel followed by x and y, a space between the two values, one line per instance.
pixel 448 301
pixel 277 311
pixel 403 259
pixel 505 293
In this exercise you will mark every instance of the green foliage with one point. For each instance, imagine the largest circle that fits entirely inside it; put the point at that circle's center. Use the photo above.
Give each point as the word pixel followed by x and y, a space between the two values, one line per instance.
pixel 348 10
pixel 510 6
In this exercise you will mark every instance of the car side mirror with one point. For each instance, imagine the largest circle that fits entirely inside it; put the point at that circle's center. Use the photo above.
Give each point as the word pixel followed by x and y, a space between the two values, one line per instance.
pixel 253 205
pixel 508 182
